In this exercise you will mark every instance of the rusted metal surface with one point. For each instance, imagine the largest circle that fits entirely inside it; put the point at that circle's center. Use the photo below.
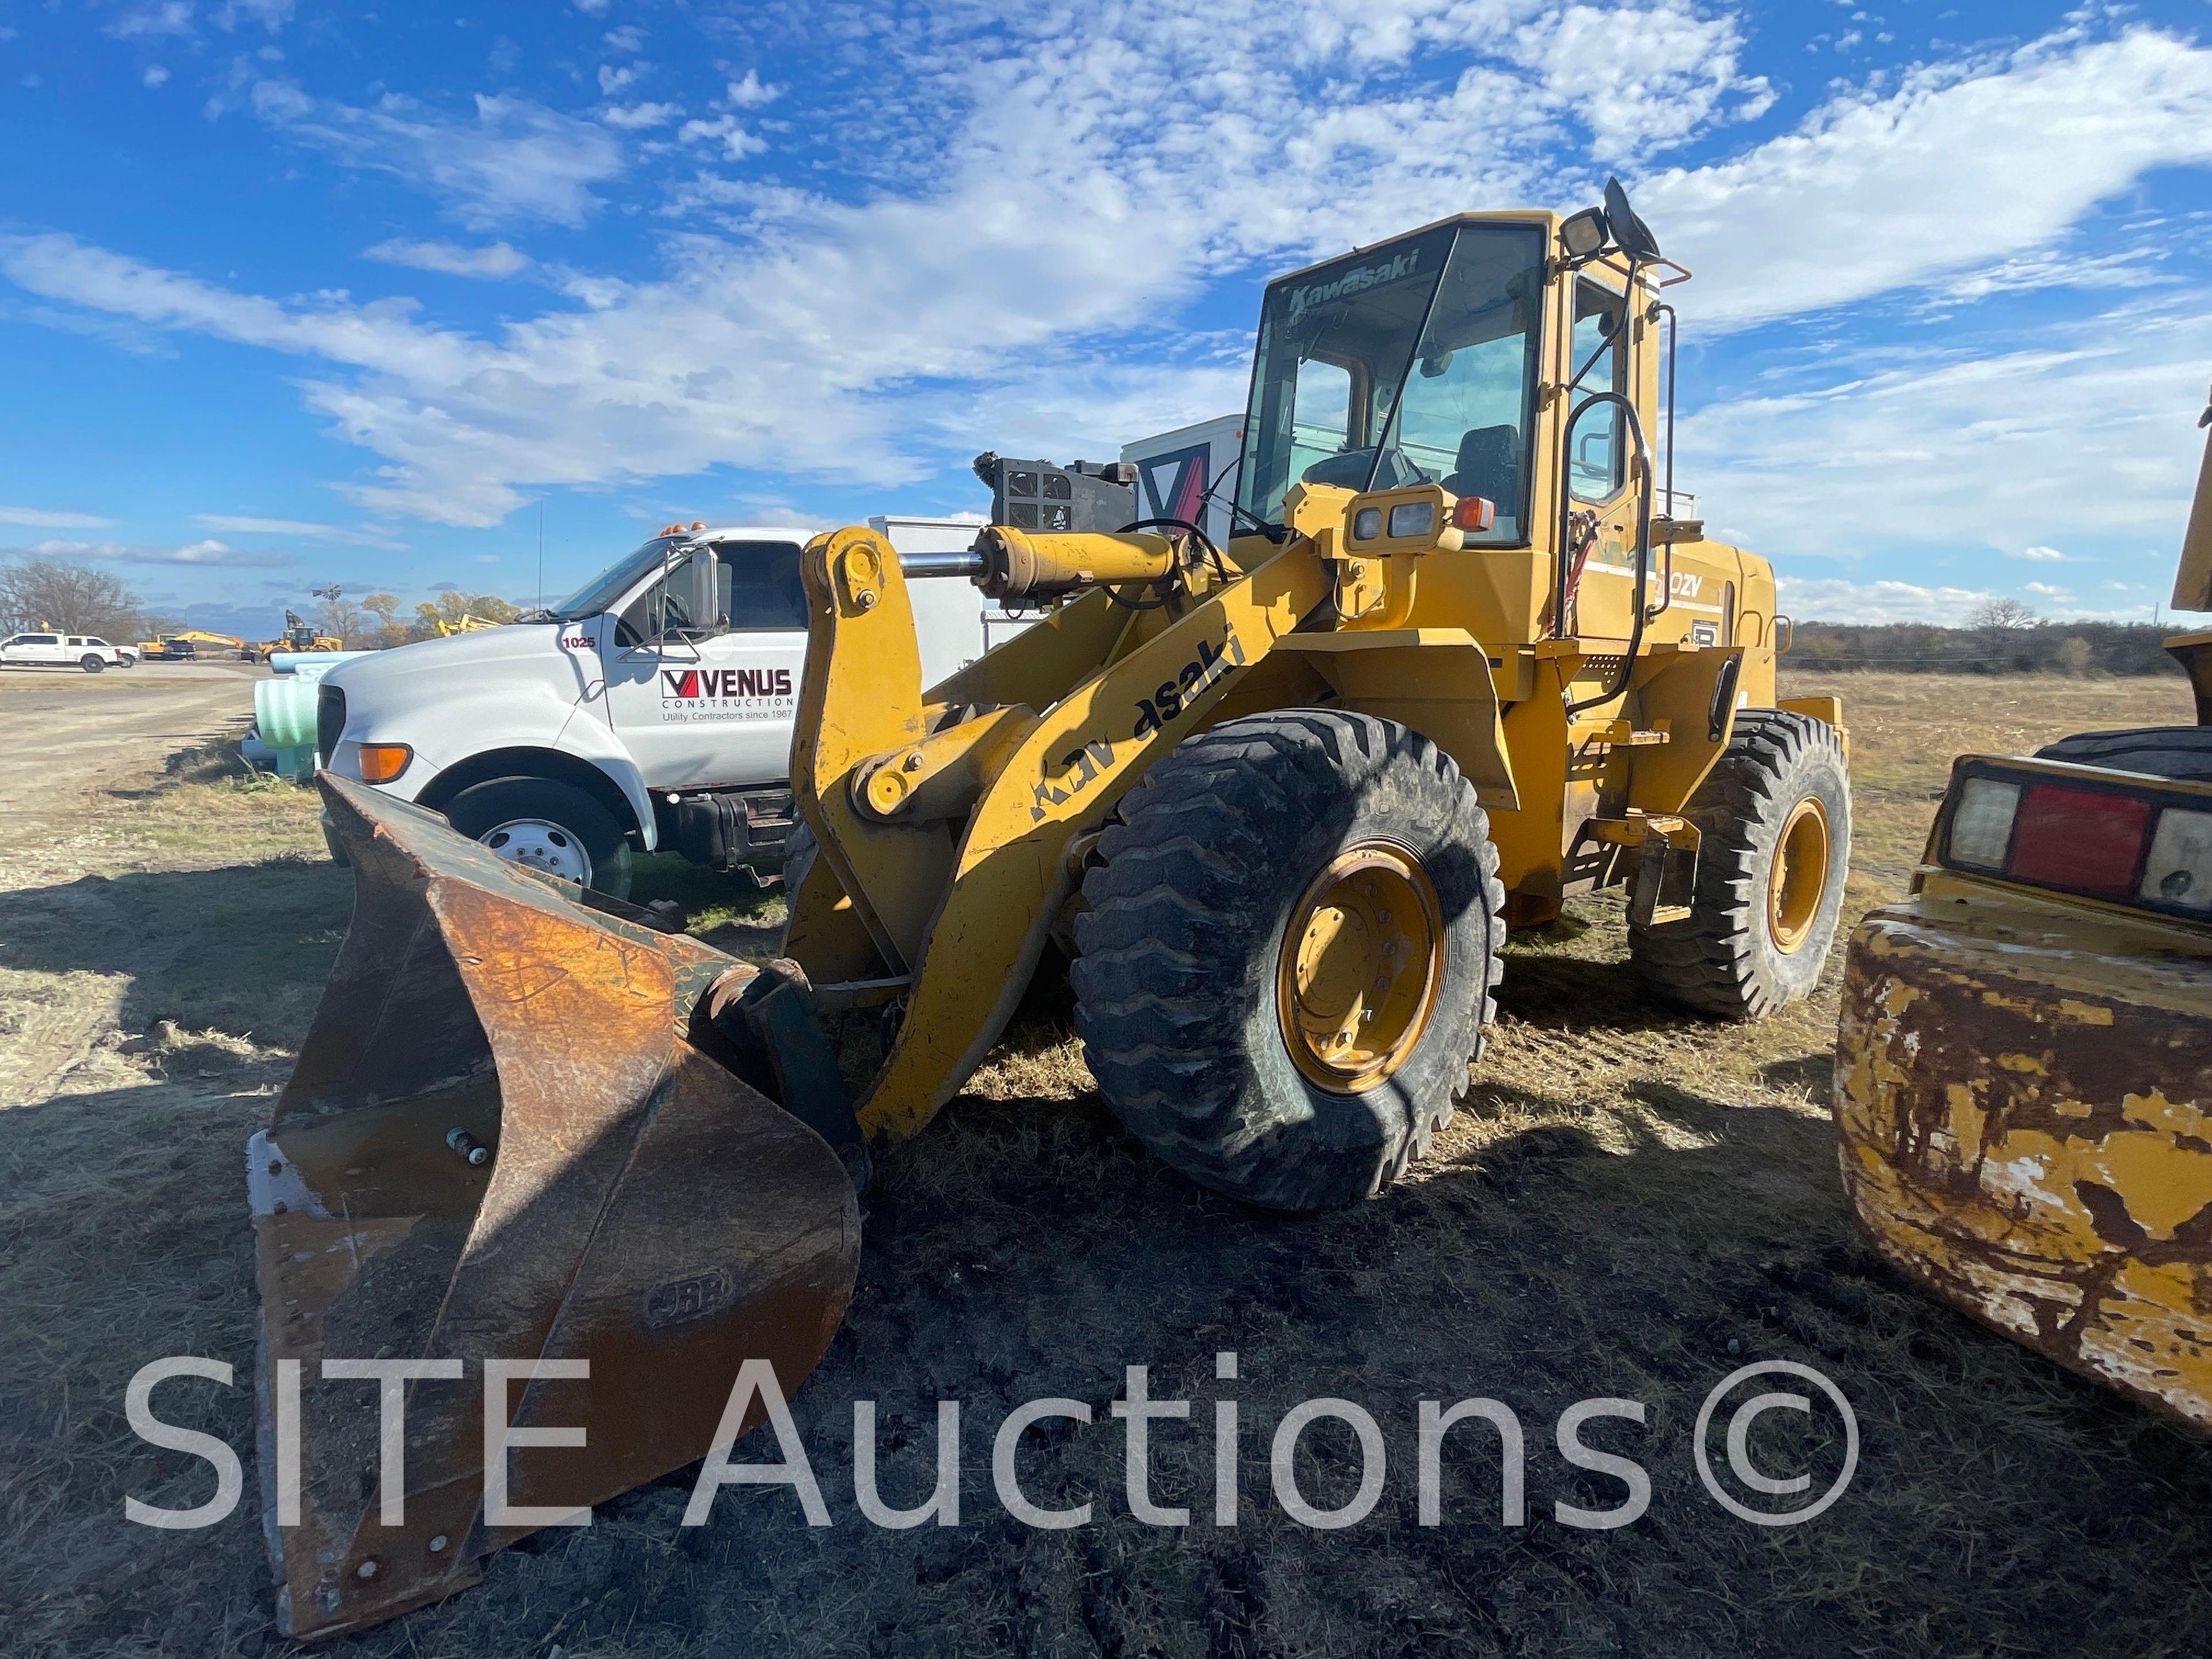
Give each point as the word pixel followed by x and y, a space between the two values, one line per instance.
pixel 643 1209
pixel 2021 1090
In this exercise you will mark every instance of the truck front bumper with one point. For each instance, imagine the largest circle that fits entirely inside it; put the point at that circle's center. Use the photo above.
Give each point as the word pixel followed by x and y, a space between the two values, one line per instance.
pixel 2020 1098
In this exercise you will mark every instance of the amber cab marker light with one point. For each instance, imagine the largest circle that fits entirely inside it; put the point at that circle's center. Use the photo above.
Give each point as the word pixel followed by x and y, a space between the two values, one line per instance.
pixel 1474 513
pixel 381 763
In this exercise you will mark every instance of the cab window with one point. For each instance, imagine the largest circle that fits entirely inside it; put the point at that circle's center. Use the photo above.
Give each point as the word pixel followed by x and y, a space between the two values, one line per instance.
pixel 1596 469
pixel 757 589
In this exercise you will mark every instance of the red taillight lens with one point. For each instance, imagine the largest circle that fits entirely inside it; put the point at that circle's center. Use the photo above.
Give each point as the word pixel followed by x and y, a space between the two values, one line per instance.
pixel 2088 840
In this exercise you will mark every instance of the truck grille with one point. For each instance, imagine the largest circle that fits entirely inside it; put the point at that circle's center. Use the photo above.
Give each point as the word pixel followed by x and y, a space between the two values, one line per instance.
pixel 329 720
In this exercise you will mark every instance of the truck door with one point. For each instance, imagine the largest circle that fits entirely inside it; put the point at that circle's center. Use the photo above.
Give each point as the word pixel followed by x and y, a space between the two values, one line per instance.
pixel 701 685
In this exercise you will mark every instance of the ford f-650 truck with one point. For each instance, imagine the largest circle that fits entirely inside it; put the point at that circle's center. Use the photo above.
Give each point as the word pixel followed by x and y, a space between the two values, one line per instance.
pixel 651 710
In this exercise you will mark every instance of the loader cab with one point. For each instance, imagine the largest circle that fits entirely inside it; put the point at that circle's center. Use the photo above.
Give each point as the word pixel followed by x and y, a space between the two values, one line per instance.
pixel 1436 358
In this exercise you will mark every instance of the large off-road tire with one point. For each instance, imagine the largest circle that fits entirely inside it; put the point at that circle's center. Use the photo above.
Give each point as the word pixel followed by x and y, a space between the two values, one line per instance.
pixel 1268 879
pixel 90 664
pixel 548 825
pixel 2163 751
pixel 1774 823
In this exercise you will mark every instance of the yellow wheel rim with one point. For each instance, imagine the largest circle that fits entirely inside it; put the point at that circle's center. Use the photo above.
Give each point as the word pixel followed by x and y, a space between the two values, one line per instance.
pixel 1798 881
pixel 1362 959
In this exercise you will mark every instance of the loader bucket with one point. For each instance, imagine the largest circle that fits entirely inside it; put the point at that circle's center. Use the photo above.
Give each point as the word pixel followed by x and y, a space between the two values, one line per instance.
pixel 513 1134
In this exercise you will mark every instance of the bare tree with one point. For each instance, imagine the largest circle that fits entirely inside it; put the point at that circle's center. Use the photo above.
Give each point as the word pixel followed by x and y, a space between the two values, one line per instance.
pixel 2003 613
pixel 79 599
pixel 340 617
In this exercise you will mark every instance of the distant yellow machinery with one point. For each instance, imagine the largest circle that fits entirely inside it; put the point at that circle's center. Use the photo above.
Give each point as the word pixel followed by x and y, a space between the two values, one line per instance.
pixel 1277 802
pixel 165 648
pixel 2024 1066
pixel 298 636
pixel 468 624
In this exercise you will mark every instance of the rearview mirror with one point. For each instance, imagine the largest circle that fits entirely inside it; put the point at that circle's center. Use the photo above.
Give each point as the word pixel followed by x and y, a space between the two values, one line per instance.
pixel 1583 235
pixel 1630 233
pixel 691 595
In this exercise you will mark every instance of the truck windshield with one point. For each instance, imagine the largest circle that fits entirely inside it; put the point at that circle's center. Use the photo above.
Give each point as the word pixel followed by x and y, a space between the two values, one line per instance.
pixel 601 592
pixel 1408 363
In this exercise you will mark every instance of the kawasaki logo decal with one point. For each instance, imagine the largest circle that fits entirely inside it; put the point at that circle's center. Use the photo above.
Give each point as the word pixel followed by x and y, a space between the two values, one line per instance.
pixel 1358 280
pixel 1083 766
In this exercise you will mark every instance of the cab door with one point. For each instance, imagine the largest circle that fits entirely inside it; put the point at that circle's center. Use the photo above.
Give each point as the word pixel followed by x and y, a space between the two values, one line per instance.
pixel 1598 482
pixel 702 666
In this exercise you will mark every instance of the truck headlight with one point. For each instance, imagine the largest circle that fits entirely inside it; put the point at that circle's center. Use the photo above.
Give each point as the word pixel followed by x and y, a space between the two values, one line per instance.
pixel 381 763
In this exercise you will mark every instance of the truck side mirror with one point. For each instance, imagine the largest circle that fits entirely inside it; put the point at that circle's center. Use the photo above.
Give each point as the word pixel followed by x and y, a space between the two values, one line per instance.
pixel 694 596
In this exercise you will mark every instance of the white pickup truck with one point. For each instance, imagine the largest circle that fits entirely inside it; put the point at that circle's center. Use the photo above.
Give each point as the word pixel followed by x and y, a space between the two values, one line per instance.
pixel 86 651
pixel 653 709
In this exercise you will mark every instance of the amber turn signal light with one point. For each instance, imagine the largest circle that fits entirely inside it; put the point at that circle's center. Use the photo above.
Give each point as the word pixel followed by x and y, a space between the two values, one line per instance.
pixel 381 763
pixel 1474 513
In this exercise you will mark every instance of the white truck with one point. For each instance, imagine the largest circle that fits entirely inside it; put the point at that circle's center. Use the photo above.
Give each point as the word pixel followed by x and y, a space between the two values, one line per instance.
pixel 60 650
pixel 652 710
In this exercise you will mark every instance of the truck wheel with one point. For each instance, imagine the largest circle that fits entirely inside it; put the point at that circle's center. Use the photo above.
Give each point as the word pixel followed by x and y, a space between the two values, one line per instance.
pixel 549 826
pixel 92 665
pixel 1286 966
pixel 2162 751
pixel 1774 823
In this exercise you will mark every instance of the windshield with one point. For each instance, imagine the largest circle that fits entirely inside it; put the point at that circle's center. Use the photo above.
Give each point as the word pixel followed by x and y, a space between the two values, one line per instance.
pixel 1414 363
pixel 610 584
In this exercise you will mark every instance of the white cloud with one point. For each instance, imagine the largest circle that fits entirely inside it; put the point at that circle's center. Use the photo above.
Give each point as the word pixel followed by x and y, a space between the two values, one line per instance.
pixel 2056 595
pixel 43 520
pixel 170 18
pixel 516 161
pixel 750 94
pixel 1829 599
pixel 863 339
pixel 155 76
pixel 493 263
pixel 1642 82
pixel 207 552
pixel 634 118
pixel 233 524
pixel 736 142
pixel 613 79
pixel 2085 437
pixel 628 39
pixel 1960 163
pixel 2040 555
pixel 271 15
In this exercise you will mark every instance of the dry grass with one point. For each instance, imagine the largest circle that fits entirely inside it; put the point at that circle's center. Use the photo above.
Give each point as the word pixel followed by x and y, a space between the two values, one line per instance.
pixel 1634 1206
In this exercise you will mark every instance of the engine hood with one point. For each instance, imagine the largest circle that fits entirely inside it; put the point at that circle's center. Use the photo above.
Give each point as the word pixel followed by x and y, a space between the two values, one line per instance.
pixel 384 671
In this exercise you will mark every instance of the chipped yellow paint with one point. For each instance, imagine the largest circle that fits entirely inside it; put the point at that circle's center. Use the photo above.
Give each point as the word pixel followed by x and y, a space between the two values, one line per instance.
pixel 2022 1110
pixel 2085 1013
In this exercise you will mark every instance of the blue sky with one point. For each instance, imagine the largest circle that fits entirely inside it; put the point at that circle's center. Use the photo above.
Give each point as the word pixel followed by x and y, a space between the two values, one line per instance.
pixel 291 293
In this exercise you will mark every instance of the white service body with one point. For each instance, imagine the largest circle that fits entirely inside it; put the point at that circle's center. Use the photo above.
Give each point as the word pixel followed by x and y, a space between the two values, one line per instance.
pixel 656 720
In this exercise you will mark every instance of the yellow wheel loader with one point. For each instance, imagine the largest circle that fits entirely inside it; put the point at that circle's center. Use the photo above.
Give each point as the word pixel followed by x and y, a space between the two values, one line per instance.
pixel 2023 1090
pixel 1277 802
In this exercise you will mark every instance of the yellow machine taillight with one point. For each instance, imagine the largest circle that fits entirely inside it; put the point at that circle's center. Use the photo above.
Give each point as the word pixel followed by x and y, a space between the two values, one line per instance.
pixel 1474 513
pixel 381 763
pixel 2131 843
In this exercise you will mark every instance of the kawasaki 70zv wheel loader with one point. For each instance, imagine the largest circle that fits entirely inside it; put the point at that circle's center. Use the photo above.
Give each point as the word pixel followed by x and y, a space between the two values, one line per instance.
pixel 1277 802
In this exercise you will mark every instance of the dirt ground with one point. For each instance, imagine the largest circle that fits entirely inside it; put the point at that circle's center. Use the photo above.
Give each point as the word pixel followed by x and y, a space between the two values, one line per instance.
pixel 1632 1204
